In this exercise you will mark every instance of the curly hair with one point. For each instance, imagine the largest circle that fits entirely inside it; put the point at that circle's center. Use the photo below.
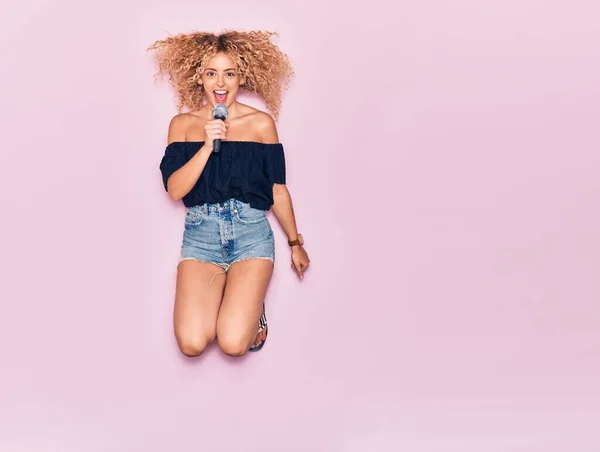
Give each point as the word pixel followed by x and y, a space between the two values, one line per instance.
pixel 264 68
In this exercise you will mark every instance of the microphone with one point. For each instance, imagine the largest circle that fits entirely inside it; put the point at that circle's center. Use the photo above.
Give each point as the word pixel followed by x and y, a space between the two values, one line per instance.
pixel 219 112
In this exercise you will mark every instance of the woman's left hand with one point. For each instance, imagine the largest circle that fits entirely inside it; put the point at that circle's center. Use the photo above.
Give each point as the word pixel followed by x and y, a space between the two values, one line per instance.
pixel 300 260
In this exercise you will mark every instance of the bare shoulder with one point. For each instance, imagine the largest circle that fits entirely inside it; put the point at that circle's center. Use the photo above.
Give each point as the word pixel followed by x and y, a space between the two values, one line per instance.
pixel 178 126
pixel 265 126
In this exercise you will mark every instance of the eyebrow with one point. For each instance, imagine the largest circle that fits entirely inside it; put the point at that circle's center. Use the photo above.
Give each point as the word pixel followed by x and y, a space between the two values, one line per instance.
pixel 213 69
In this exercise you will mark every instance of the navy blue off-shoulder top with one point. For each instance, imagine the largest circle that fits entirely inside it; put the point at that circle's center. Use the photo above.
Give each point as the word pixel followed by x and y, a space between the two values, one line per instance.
pixel 245 170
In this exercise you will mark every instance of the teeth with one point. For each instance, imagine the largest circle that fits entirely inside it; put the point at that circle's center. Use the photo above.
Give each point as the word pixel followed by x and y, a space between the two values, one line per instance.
pixel 220 92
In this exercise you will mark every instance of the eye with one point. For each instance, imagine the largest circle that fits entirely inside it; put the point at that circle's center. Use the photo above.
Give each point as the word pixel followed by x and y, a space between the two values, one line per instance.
pixel 231 74
pixel 209 73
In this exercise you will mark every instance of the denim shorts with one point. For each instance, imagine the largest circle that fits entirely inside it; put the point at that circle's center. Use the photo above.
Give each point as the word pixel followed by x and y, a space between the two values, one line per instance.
pixel 226 232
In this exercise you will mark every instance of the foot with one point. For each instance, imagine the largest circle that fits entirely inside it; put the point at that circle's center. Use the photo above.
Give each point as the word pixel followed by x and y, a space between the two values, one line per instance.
pixel 259 337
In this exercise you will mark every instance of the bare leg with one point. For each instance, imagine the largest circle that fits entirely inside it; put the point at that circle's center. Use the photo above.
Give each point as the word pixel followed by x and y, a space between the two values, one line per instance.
pixel 247 283
pixel 197 302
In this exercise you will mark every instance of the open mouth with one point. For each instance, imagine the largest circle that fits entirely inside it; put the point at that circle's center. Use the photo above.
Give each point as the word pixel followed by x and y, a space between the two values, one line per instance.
pixel 220 95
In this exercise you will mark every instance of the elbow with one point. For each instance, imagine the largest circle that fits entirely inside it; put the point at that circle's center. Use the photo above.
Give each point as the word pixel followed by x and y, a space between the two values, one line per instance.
pixel 171 191
pixel 280 191
pixel 173 194
pixel 281 198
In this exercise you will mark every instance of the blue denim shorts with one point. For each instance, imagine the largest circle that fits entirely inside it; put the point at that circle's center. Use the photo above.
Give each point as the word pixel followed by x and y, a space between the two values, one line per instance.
pixel 226 232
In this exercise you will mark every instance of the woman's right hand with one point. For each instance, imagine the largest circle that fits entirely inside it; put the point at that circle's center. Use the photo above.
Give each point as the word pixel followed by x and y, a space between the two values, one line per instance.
pixel 215 129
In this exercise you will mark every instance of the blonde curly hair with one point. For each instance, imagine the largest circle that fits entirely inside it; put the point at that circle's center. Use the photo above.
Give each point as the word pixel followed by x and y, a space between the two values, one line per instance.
pixel 264 68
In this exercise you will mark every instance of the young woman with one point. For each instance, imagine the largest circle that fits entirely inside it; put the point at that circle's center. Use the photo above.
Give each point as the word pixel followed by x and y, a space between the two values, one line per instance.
pixel 228 253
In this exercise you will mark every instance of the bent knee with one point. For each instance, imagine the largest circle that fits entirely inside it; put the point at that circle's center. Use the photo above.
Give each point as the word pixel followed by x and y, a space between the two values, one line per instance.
pixel 194 345
pixel 233 345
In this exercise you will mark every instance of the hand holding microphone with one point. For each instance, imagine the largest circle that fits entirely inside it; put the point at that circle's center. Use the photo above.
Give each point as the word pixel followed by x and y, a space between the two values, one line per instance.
pixel 216 130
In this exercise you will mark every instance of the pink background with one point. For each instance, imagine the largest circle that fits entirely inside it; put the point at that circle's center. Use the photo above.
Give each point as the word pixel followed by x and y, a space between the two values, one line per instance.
pixel 443 160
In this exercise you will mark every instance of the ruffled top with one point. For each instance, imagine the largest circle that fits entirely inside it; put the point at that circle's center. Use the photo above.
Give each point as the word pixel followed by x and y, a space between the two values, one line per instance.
pixel 245 170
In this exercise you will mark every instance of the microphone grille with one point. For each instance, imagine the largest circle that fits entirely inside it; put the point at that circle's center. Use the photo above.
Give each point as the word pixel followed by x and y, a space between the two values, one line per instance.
pixel 220 110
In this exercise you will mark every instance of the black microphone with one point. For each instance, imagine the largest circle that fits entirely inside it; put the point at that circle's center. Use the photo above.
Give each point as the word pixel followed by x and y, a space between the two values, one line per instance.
pixel 219 112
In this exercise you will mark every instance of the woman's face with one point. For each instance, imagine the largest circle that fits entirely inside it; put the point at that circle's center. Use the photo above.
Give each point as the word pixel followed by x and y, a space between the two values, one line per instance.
pixel 221 80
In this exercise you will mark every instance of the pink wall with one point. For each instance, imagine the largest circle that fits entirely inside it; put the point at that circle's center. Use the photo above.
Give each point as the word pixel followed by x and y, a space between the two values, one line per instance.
pixel 448 193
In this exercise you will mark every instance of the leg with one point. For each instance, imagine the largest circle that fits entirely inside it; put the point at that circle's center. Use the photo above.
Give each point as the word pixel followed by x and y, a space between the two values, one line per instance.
pixel 247 283
pixel 197 302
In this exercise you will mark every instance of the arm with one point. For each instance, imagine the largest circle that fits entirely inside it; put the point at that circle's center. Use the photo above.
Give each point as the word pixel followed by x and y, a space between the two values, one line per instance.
pixel 284 210
pixel 183 180
pixel 282 203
